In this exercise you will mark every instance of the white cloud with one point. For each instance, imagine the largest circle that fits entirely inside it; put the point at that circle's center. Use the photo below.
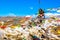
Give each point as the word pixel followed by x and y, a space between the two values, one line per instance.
pixel 54 9
pixel 34 15
pixel 48 15
pixel 48 9
pixel 11 14
pixel 58 10
pixel 31 8
pixel 52 14
pixel 28 15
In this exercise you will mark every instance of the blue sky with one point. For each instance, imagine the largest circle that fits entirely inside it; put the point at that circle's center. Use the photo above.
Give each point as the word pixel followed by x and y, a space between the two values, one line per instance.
pixel 25 7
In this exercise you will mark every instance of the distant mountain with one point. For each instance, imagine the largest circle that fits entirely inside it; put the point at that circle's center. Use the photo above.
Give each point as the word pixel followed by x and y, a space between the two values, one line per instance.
pixel 47 15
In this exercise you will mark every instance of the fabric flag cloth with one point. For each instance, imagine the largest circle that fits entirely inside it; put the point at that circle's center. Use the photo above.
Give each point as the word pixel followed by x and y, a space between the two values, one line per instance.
pixel 3 27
